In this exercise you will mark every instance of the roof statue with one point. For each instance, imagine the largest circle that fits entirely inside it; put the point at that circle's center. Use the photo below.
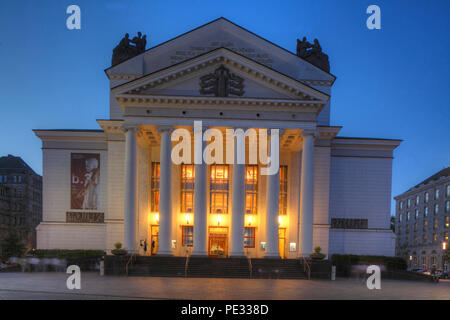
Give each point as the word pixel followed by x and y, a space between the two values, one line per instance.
pixel 128 48
pixel 313 54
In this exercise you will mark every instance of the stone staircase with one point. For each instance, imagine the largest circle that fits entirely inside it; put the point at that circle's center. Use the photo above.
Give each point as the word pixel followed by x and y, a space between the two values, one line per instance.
pixel 157 266
pixel 278 269
pixel 206 267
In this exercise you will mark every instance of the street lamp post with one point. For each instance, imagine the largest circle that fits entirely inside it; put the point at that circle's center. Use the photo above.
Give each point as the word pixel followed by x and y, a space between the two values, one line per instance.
pixel 444 247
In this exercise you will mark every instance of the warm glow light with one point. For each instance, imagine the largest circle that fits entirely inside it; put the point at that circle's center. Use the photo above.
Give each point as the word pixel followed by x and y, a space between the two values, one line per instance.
pixel 280 219
pixel 219 219
pixel 157 217
pixel 250 219
pixel 444 245
pixel 188 218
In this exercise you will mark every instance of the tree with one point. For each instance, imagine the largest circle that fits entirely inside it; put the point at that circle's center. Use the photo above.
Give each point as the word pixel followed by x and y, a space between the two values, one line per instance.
pixel 12 246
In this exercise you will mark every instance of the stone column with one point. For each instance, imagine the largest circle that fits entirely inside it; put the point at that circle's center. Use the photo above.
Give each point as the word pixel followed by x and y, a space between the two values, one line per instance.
pixel 238 199
pixel 165 203
pixel 130 191
pixel 200 215
pixel 272 213
pixel 307 194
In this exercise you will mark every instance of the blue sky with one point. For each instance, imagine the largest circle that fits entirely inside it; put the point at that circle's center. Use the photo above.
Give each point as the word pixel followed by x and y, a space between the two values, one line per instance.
pixel 391 83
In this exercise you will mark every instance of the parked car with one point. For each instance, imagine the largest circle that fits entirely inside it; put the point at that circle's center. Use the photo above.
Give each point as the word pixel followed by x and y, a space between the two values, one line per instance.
pixel 445 274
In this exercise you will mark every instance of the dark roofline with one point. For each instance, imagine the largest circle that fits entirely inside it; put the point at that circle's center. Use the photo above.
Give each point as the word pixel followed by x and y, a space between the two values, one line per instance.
pixel 442 173
pixel 217 49
pixel 204 25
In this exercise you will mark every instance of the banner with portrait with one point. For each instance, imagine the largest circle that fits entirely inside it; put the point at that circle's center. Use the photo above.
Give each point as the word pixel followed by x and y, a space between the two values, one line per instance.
pixel 85 179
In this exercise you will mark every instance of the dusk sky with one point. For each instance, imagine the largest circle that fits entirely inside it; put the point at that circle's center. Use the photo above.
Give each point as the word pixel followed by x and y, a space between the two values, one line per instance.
pixel 391 83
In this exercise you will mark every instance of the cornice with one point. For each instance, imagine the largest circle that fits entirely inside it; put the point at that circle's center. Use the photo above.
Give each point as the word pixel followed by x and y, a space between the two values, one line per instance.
pixel 126 100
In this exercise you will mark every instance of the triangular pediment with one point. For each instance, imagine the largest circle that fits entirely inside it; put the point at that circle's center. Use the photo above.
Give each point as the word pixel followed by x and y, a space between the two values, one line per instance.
pixel 185 79
pixel 221 33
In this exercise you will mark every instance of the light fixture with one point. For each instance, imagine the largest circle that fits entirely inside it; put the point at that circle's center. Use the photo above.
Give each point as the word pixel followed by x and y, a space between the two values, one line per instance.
pixel 219 219
pixel 444 245
pixel 280 219
pixel 157 217
pixel 187 218
pixel 250 219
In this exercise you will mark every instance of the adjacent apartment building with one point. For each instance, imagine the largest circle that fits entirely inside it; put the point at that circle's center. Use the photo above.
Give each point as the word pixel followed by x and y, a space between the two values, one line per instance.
pixel 422 221
pixel 20 200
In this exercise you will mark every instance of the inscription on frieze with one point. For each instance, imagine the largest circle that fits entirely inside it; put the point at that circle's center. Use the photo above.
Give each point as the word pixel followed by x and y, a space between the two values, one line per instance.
pixel 343 223
pixel 85 217
pixel 192 51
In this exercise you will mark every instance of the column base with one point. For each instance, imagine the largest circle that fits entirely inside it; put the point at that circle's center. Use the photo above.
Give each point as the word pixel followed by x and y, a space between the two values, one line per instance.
pixel 164 254
pixel 272 256
pixel 199 254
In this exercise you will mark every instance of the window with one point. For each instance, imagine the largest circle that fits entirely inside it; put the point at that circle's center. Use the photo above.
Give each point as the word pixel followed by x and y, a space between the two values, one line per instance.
pixel 417 200
pixel 435 237
pixel 416 240
pixel 187 188
pixel 447 221
pixel 407 216
pixel 219 189
pixel 446 236
pixel 400 217
pixel 401 205
pixel 187 236
pixel 283 190
pixel 436 194
pixel 408 203
pixel 436 208
pixel 155 187
pixel 447 206
pixel 416 214
pixel 425 238
pixel 249 237
pixel 425 211
pixel 425 225
pixel 447 191
pixel 399 230
pixel 416 227
pixel 251 189
pixel 407 228
pixel 435 223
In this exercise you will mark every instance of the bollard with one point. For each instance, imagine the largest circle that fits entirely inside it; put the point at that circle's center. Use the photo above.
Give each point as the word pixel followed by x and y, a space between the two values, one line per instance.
pixel 333 273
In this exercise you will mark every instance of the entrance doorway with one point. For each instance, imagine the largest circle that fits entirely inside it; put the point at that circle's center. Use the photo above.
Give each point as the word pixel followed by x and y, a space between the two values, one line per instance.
pixel 154 239
pixel 282 242
pixel 218 242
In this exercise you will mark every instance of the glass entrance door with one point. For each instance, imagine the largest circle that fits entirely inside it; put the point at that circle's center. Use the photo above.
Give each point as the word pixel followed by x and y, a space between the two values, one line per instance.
pixel 282 242
pixel 218 242
pixel 154 239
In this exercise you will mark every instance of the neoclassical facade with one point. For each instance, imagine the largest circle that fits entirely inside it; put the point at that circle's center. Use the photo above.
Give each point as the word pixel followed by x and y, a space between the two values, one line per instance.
pixel 120 184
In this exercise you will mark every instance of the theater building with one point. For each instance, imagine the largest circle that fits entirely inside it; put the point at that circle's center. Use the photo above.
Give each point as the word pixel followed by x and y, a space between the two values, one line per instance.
pixel 119 184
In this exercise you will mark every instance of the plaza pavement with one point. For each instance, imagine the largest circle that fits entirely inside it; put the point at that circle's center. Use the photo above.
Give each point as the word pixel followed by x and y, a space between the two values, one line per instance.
pixel 53 286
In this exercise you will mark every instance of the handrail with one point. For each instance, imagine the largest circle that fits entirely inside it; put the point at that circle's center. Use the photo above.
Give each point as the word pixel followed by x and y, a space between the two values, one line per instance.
pixel 129 262
pixel 306 267
pixel 186 264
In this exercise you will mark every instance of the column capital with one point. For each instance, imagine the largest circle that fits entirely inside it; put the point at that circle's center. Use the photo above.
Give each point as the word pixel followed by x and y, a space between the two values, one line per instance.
pixel 165 128
pixel 126 128
pixel 307 132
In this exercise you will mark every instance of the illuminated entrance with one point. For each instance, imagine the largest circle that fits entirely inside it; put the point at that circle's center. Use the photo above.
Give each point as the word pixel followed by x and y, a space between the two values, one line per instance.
pixel 282 242
pixel 218 242
pixel 154 238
